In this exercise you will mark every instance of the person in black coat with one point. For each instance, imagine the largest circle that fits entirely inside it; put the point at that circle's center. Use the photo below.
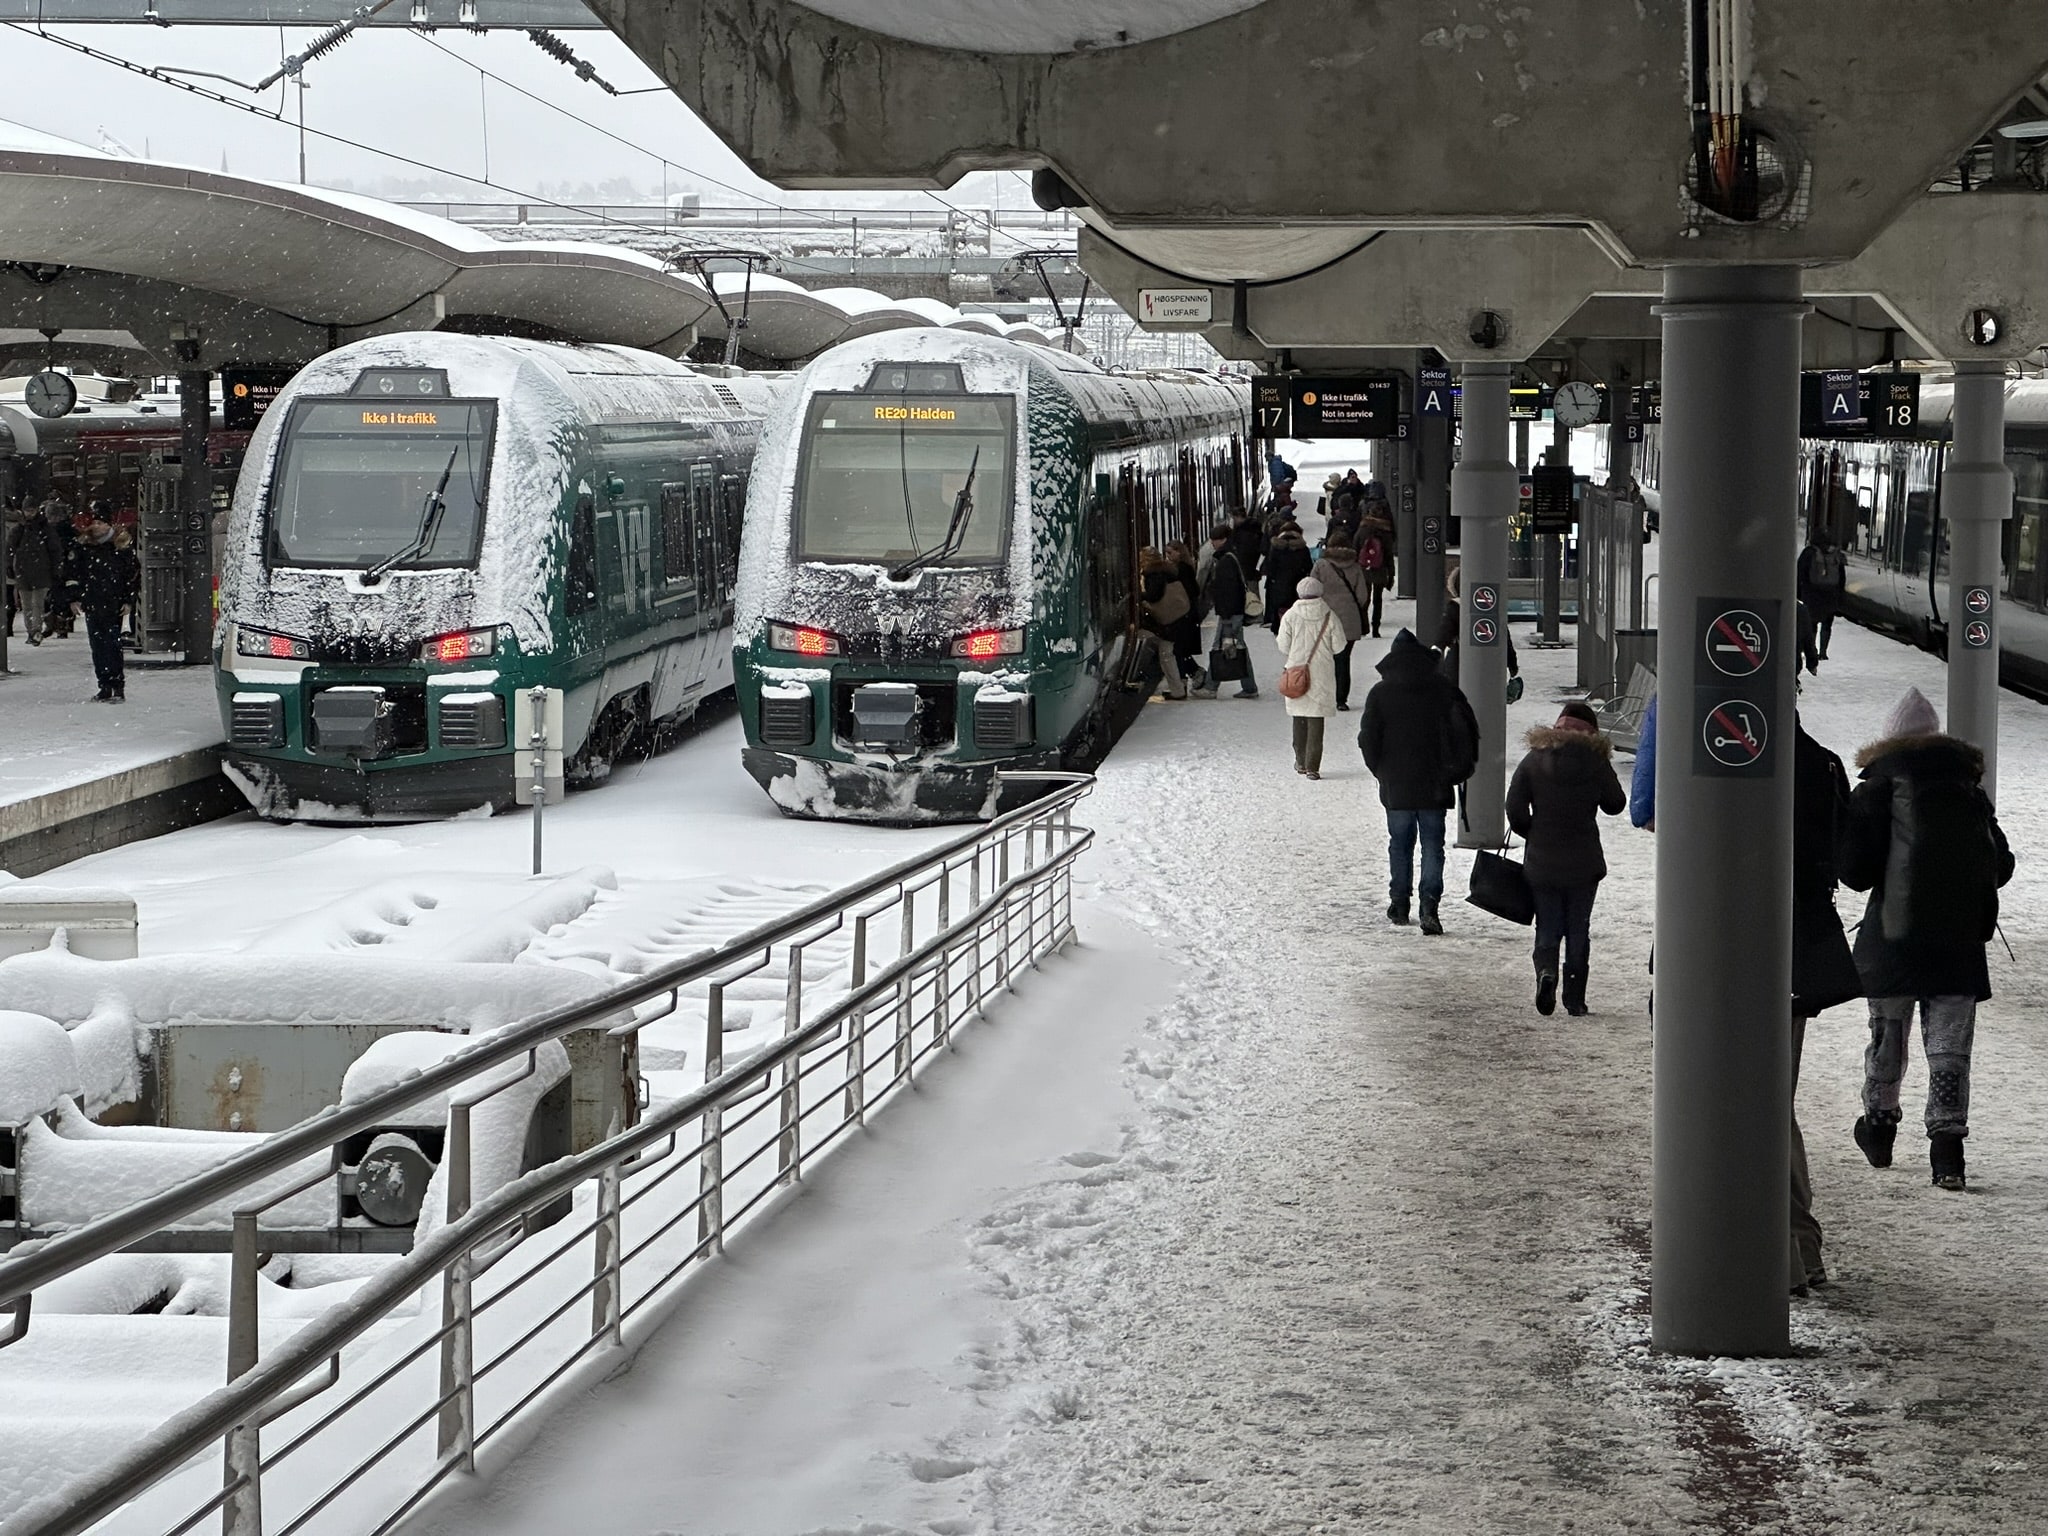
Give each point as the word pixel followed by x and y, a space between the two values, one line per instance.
pixel 1420 739
pixel 1823 974
pixel 1224 590
pixel 1823 577
pixel 1344 517
pixel 1924 841
pixel 99 576
pixel 1560 788
pixel 1247 540
pixel 1287 562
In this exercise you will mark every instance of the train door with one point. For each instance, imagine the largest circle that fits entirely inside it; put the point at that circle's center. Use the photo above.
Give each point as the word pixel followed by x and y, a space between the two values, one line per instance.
pixel 583 615
pixel 160 551
pixel 705 639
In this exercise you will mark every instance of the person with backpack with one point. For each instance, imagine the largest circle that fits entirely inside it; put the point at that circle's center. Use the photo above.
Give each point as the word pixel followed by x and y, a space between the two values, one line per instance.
pixel 1228 587
pixel 1287 562
pixel 1420 739
pixel 1164 605
pixel 1376 544
pixel 1309 639
pixel 1924 841
pixel 1344 591
pixel 1563 784
pixel 1823 577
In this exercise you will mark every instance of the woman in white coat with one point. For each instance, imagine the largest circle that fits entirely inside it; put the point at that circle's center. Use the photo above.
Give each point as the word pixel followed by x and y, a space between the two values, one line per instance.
pixel 1310 637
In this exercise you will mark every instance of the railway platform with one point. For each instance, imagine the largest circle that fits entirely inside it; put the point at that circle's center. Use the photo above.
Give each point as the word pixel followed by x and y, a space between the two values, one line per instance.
pixel 77 778
pixel 1358 1242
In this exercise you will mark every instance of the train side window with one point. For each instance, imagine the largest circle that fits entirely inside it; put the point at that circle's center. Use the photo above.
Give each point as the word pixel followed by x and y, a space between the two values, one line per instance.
pixel 677 564
pixel 581 595
pixel 636 558
pixel 733 508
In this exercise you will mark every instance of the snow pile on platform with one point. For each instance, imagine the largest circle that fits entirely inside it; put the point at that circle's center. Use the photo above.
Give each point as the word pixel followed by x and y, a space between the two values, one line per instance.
pixel 38 1066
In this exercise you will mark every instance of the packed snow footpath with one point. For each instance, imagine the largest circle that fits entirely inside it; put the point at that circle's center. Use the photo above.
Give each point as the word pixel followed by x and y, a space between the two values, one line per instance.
pixel 1256 1214
pixel 51 737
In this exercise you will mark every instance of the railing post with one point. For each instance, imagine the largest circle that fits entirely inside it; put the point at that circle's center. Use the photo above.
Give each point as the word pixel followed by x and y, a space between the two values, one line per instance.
pixel 789 1149
pixel 1002 882
pixel 857 1025
pixel 905 1027
pixel 456 1436
pixel 942 1001
pixel 242 1514
pixel 974 904
pixel 606 1299
pixel 711 1160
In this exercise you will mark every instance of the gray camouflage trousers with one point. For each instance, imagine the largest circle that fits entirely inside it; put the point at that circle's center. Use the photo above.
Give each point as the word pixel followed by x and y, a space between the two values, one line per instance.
pixel 1948 1027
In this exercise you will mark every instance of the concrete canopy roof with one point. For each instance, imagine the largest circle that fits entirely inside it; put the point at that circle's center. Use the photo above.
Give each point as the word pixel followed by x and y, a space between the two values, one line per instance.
pixel 787 323
pixel 270 273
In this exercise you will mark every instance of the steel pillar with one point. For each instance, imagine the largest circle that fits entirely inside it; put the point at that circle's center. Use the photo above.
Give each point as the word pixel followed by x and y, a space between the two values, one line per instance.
pixel 1432 439
pixel 1722 1059
pixel 1401 487
pixel 1976 498
pixel 1484 492
pixel 195 507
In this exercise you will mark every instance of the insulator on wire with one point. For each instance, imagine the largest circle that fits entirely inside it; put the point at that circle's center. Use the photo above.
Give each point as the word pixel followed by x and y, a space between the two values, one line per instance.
pixel 555 48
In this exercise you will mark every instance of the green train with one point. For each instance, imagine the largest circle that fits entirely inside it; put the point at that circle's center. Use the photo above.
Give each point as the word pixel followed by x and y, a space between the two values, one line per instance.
pixel 428 525
pixel 939 573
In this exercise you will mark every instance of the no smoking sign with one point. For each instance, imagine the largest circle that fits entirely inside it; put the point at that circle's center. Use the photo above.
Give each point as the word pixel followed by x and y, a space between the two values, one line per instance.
pixel 1735 688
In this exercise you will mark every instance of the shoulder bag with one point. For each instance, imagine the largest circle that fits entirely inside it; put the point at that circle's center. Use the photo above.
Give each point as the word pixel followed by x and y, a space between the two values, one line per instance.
pixel 1294 681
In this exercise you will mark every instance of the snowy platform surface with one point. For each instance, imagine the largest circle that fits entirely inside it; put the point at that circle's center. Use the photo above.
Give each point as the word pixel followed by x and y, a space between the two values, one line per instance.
pixel 1295 1222
pixel 52 736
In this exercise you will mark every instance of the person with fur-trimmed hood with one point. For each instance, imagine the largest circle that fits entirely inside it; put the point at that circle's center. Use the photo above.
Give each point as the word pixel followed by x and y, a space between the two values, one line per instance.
pixel 1924 841
pixel 1560 788
pixel 1287 562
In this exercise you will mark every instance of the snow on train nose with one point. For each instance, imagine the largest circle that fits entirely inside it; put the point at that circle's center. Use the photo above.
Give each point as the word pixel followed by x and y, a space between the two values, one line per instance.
pixel 885 716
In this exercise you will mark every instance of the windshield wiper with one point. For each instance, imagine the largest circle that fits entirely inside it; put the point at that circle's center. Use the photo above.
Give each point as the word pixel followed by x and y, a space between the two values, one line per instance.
pixel 430 526
pixel 956 529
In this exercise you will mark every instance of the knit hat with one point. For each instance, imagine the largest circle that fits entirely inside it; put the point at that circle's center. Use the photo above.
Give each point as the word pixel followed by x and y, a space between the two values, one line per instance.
pixel 1912 716
pixel 1308 586
pixel 1578 717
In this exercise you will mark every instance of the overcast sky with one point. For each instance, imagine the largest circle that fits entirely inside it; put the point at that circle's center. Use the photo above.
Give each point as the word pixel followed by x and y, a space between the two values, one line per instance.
pixel 396 90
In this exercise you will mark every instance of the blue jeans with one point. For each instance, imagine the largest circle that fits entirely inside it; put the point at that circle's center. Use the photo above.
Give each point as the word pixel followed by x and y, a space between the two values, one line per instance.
pixel 1403 827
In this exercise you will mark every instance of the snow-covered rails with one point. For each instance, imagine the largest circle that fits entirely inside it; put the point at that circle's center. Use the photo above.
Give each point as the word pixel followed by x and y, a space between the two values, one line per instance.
pixel 934 941
pixel 428 525
pixel 940 572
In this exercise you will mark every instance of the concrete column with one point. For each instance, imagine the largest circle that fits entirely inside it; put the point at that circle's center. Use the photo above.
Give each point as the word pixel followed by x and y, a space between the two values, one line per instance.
pixel 195 509
pixel 1976 498
pixel 1722 1059
pixel 1432 500
pixel 1401 487
pixel 1483 491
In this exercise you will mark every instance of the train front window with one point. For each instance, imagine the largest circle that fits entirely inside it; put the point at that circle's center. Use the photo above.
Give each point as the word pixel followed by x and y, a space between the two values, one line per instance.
pixel 357 482
pixel 882 476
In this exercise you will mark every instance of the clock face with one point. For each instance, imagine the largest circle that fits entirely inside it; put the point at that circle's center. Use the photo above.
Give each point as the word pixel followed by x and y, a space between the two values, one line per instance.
pixel 50 394
pixel 1576 404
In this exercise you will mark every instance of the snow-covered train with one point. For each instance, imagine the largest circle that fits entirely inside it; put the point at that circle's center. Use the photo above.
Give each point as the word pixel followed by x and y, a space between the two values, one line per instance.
pixel 939 575
pixel 427 525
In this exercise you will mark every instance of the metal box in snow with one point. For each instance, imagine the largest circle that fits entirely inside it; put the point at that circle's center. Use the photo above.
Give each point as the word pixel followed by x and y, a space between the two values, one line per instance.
pixel 100 925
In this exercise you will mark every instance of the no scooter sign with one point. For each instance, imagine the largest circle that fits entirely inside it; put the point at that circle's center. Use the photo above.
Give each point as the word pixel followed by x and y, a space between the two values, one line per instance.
pixel 1735 688
pixel 1485 604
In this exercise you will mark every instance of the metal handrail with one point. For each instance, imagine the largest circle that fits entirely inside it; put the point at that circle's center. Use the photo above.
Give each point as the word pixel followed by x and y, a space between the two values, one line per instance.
pixel 39 1261
pixel 277 1382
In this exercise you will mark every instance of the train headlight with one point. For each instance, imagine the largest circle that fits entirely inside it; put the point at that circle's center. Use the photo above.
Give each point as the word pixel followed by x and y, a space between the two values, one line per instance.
pixel 257 642
pixel 987 644
pixel 462 645
pixel 804 642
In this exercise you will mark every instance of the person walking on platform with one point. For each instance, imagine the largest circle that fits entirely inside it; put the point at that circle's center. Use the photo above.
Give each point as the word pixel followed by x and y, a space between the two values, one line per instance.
pixel 1343 519
pixel 1287 562
pixel 1823 577
pixel 1164 605
pixel 1420 739
pixel 1925 843
pixel 1187 634
pixel 1823 974
pixel 1345 591
pixel 1310 637
pixel 97 581
pixel 1560 788
pixel 33 564
pixel 1247 542
pixel 1228 585
pixel 1376 547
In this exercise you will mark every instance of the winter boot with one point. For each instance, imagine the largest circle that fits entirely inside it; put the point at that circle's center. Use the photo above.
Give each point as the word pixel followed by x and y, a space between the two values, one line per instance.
pixel 1397 911
pixel 1875 1137
pixel 1575 992
pixel 1546 990
pixel 1945 1154
pixel 1430 924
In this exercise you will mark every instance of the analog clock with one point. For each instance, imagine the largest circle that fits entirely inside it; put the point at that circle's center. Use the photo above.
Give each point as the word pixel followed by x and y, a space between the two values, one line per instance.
pixel 51 394
pixel 1576 404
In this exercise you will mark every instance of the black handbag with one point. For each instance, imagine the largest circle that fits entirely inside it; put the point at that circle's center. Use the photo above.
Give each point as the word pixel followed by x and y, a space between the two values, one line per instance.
pixel 1501 886
pixel 1229 663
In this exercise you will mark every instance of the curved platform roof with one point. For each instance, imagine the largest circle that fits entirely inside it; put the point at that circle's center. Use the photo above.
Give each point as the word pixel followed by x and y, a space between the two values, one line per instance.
pixel 786 322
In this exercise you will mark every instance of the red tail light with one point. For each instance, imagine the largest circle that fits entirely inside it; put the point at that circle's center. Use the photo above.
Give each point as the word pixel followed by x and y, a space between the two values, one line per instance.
pixel 803 641
pixel 987 644
pixel 463 645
